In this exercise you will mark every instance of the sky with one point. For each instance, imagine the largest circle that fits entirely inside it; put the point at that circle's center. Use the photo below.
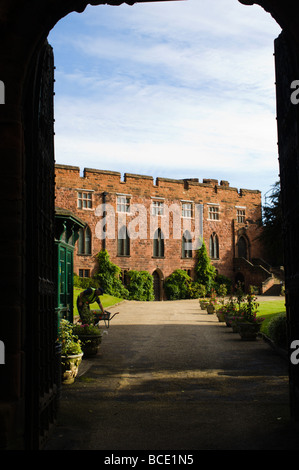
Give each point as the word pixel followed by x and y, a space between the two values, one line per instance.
pixel 175 90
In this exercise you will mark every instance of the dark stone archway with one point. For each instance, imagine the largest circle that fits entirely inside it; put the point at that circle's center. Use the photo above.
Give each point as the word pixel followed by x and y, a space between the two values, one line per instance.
pixel 24 27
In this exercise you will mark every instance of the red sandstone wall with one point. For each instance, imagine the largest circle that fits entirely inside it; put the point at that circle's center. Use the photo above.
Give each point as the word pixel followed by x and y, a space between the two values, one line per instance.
pixel 142 189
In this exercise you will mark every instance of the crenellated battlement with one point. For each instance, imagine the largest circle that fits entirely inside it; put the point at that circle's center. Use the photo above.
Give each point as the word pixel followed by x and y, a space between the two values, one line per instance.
pixel 96 178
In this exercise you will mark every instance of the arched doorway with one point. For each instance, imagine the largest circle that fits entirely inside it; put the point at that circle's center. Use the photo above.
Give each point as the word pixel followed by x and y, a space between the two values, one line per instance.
pixel 242 247
pixel 157 280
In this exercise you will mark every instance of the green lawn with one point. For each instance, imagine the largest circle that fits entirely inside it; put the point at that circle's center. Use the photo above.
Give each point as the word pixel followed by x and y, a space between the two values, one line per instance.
pixel 107 301
pixel 268 309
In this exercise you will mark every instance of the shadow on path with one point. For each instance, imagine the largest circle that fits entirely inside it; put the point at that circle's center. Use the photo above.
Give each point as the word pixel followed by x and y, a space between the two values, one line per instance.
pixel 185 383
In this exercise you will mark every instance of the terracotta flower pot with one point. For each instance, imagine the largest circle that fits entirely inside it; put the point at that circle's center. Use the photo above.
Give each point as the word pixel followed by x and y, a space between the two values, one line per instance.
pixel 210 309
pixel 220 316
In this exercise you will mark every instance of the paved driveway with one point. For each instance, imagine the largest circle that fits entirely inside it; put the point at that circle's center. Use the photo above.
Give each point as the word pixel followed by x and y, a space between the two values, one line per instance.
pixel 170 376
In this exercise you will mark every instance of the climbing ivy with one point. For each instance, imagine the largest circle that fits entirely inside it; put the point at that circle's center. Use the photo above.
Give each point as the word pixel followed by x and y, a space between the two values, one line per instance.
pixel 139 286
pixel 108 275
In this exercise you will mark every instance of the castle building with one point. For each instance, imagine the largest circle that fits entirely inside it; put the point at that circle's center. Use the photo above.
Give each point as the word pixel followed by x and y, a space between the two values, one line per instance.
pixel 157 225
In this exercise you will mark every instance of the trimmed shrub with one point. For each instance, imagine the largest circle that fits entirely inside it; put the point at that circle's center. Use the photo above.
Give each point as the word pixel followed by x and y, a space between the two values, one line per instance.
pixel 177 285
pixel 140 285
pixel 196 290
pixel 277 330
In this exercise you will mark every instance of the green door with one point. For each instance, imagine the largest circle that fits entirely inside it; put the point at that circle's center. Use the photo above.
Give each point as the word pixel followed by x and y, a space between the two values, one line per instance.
pixel 62 271
pixel 69 281
pixel 65 282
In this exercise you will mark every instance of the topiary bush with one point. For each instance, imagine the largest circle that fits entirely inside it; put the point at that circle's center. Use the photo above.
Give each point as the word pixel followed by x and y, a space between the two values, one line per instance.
pixel 177 285
pixel 196 290
pixel 140 285
pixel 277 330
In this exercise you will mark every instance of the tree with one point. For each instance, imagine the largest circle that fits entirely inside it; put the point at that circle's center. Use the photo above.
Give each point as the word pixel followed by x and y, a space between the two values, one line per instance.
pixel 271 223
pixel 205 271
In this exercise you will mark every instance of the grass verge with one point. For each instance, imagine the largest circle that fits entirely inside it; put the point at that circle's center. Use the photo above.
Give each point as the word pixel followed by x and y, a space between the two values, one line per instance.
pixel 269 309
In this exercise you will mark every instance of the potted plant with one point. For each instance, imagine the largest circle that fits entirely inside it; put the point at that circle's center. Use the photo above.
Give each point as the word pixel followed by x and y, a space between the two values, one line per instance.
pixel 90 337
pixel 212 302
pixel 89 334
pixel 202 296
pixel 229 311
pixel 203 304
pixel 248 322
pixel 222 292
pixel 71 352
pixel 234 323
pixel 220 312
pixel 249 329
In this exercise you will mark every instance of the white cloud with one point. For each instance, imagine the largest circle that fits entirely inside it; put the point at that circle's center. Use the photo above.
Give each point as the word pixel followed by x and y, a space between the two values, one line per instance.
pixel 174 88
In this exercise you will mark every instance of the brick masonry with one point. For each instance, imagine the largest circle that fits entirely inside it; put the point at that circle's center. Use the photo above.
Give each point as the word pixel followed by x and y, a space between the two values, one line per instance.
pixel 143 190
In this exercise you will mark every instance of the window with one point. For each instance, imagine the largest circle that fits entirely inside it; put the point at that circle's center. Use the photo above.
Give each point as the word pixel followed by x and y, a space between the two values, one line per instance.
pixel 84 272
pixel 157 208
pixel 242 248
pixel 241 216
pixel 213 213
pixel 187 210
pixel 214 246
pixel 84 242
pixel 187 245
pixel 84 200
pixel 123 242
pixel 158 248
pixel 123 204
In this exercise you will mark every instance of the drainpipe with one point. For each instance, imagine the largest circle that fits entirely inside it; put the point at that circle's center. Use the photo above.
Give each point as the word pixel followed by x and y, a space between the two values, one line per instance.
pixel 233 240
pixel 104 215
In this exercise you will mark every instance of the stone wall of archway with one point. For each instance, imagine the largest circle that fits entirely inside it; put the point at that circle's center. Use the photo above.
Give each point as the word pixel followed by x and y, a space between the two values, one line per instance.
pixel 24 27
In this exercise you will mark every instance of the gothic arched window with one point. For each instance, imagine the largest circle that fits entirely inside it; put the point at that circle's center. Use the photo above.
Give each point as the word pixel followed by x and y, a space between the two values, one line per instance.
pixel 123 242
pixel 214 246
pixel 84 242
pixel 158 248
pixel 187 245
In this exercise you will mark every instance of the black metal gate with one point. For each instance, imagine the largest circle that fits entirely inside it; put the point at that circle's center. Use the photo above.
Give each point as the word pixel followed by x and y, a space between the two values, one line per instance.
pixel 287 71
pixel 41 355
